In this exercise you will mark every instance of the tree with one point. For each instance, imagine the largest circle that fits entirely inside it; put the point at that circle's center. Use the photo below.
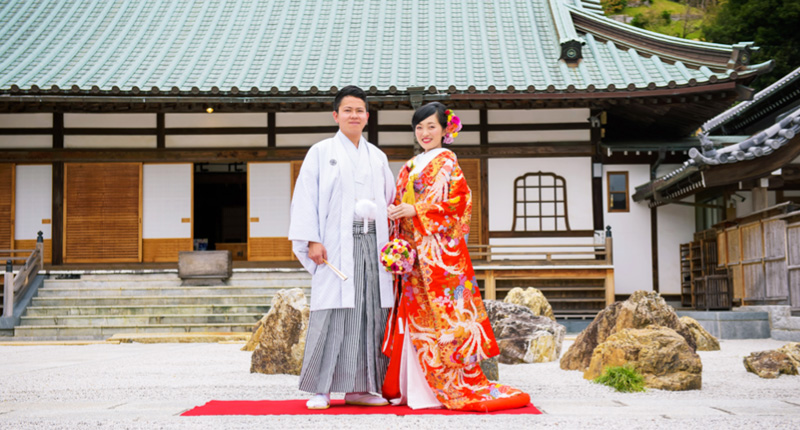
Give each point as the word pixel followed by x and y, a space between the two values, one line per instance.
pixel 771 24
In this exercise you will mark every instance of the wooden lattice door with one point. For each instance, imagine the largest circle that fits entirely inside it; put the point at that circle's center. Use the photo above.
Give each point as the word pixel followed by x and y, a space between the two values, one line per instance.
pixel 103 212
pixel 6 206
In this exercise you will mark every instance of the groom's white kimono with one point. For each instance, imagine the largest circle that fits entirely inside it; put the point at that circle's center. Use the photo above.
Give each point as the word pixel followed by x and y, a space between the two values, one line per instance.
pixel 323 207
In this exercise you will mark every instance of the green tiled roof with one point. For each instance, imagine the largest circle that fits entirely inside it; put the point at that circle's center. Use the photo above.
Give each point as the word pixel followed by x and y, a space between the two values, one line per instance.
pixel 306 46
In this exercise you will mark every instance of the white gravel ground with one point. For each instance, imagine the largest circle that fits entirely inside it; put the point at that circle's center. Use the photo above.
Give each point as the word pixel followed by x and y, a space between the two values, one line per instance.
pixel 141 386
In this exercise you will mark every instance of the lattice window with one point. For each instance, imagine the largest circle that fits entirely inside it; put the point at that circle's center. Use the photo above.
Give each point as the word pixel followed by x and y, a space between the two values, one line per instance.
pixel 540 203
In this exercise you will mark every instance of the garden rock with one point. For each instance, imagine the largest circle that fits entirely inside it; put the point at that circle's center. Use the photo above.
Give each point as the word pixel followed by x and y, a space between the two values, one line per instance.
pixel 522 336
pixel 771 364
pixel 642 309
pixel 282 337
pixel 532 299
pixel 702 338
pixel 661 355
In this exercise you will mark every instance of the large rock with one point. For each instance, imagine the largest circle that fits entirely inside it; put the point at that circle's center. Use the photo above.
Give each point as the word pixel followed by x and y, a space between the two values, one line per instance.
pixel 282 338
pixel 660 354
pixel 532 299
pixel 522 336
pixel 702 338
pixel 642 309
pixel 490 369
pixel 771 364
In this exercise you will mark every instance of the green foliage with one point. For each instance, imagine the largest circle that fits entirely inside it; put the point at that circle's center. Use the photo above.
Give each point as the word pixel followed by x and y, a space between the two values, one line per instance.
pixel 640 21
pixel 622 378
pixel 613 6
pixel 658 15
pixel 771 24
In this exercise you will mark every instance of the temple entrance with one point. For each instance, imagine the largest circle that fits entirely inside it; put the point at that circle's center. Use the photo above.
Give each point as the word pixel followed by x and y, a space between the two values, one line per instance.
pixel 220 208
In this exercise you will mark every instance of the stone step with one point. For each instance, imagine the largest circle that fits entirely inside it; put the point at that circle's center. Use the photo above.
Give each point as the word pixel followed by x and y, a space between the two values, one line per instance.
pixel 34 311
pixel 153 300
pixel 139 320
pixel 139 290
pixel 163 283
pixel 106 331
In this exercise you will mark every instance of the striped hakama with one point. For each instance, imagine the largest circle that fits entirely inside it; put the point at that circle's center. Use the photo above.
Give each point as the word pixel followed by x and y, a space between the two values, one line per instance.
pixel 343 346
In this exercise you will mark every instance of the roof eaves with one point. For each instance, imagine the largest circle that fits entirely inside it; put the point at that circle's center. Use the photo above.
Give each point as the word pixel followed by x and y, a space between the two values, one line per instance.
pixel 716 56
pixel 743 107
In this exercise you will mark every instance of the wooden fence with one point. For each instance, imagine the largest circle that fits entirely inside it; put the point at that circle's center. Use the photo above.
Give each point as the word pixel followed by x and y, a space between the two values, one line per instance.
pixel 763 256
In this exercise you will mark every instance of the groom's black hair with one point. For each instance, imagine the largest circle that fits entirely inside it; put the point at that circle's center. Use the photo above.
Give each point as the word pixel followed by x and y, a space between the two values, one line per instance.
pixel 352 91
pixel 428 110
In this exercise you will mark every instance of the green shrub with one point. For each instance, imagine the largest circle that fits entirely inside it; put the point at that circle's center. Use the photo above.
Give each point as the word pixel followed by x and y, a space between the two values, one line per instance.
pixel 622 378
pixel 613 6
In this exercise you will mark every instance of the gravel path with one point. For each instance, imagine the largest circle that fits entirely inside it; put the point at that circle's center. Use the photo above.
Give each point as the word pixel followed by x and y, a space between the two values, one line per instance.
pixel 146 386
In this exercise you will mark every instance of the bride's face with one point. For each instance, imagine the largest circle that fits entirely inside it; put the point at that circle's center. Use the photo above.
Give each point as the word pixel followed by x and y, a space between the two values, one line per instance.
pixel 429 133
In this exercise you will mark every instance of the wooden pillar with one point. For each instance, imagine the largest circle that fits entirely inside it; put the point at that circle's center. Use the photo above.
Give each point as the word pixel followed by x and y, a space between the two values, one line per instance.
pixel 271 136
pixel 608 284
pixel 489 287
pixel 57 225
pixel 372 128
pixel 760 198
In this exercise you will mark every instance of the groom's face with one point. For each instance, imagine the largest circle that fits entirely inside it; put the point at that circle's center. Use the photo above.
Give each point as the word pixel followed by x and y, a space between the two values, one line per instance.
pixel 352 115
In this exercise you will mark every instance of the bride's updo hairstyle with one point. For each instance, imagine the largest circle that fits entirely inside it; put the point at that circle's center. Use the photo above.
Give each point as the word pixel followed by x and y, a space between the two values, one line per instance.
pixel 429 109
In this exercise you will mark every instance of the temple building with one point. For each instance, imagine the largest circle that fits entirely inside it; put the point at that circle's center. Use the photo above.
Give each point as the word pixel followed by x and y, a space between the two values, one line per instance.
pixel 130 131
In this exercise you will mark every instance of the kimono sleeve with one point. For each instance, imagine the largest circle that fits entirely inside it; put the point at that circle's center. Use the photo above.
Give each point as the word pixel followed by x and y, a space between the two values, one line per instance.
pixel 446 205
pixel 304 213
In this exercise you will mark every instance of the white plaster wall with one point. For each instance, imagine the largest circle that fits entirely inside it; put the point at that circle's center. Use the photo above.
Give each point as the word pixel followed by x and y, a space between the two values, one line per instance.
pixel 631 233
pixel 577 172
pixel 675 226
pixel 395 167
pixel 34 201
pixel 110 142
pixel 398 138
pixel 396 117
pixel 191 120
pixel 539 136
pixel 26 120
pixel 303 139
pixel 110 120
pixel 26 141
pixel 538 116
pixel 303 119
pixel 167 199
pixel 270 197
pixel 216 140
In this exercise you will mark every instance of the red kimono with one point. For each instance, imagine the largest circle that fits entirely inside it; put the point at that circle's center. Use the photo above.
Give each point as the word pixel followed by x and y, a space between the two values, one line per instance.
pixel 438 300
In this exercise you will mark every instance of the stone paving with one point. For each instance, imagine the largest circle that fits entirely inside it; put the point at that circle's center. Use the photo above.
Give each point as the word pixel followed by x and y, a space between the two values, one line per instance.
pixel 148 386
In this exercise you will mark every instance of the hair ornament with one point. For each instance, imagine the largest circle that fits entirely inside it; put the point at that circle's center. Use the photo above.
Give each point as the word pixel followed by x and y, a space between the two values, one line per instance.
pixel 453 127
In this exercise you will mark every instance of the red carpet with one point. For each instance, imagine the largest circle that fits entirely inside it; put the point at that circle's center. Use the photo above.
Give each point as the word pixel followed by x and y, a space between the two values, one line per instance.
pixel 298 407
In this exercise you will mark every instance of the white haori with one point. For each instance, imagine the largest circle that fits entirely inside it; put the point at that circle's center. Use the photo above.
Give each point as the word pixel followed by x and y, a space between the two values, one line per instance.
pixel 323 209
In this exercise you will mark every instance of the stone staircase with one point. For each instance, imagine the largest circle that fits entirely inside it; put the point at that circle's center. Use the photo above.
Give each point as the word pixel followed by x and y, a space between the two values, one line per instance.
pixel 98 306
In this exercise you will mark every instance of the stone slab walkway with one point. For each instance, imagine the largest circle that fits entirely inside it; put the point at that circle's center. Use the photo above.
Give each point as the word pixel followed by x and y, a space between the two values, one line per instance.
pixel 147 386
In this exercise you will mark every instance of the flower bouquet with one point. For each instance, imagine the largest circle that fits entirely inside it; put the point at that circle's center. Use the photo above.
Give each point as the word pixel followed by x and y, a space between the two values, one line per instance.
pixel 397 256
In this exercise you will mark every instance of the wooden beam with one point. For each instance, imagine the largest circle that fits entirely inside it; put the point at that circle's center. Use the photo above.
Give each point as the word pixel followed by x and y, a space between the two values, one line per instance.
pixel 270 154
pixel 519 234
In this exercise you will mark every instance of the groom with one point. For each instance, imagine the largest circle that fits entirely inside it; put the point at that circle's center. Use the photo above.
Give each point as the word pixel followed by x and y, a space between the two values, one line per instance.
pixel 339 222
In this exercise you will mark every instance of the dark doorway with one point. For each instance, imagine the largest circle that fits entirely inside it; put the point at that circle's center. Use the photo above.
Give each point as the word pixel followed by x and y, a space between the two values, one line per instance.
pixel 220 207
